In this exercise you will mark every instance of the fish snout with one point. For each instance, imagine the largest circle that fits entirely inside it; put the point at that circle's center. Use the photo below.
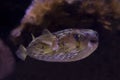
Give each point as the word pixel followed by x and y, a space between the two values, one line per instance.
pixel 94 37
pixel 94 40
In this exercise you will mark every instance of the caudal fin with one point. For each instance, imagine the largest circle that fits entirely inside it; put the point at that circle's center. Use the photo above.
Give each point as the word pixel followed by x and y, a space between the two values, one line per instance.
pixel 21 52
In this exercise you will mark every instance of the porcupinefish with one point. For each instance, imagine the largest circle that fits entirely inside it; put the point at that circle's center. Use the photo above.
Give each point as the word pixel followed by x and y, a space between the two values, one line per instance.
pixel 62 46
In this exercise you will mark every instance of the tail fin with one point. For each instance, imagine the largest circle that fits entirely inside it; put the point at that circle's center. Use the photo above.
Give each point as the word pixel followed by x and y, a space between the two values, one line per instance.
pixel 21 52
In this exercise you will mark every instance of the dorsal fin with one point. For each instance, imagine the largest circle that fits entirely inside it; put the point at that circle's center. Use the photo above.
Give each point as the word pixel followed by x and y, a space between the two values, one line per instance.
pixel 33 37
pixel 46 31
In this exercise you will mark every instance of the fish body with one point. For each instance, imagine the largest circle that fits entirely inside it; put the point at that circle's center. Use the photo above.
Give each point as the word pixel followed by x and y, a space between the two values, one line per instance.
pixel 61 46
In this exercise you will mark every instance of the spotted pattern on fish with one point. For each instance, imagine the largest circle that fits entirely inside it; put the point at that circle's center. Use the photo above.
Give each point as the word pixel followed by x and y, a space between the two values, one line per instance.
pixel 63 46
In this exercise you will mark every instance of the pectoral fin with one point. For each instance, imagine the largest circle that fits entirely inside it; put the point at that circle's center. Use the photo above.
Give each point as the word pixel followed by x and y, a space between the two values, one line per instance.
pixel 21 52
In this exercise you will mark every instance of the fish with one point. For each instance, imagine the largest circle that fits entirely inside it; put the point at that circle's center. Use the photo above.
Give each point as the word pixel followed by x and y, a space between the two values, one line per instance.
pixel 66 45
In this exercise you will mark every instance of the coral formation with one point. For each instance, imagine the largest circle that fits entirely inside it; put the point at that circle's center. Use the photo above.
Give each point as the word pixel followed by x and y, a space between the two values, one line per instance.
pixel 60 14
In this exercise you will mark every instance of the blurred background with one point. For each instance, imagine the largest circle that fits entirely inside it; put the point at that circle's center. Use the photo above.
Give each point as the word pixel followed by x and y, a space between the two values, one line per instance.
pixel 103 64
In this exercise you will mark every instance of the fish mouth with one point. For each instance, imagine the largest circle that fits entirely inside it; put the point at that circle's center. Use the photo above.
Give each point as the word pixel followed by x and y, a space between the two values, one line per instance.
pixel 94 41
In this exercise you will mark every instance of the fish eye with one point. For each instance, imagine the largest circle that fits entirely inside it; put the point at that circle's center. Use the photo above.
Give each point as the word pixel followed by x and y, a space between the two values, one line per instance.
pixel 77 36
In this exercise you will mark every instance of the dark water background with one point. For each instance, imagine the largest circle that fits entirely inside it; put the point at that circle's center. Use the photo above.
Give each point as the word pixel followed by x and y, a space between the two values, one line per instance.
pixel 103 64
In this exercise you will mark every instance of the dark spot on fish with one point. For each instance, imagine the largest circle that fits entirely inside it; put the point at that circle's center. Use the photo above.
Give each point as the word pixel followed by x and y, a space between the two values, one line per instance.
pixel 76 36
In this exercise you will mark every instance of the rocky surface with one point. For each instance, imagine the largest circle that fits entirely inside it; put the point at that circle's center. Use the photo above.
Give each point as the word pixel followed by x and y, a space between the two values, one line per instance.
pixel 7 62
